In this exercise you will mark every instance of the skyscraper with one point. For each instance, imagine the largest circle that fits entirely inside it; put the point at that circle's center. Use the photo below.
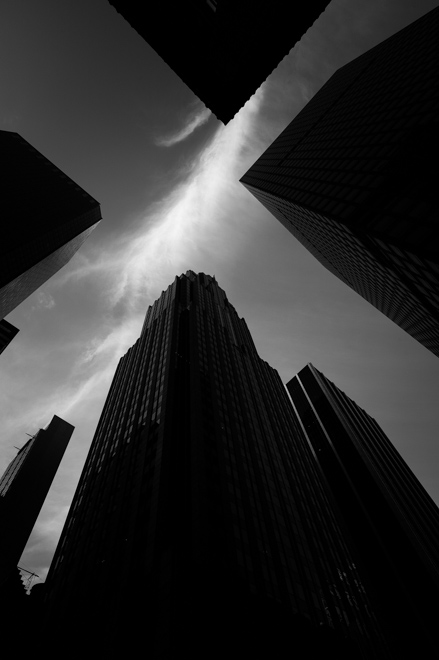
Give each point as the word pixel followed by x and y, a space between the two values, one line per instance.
pixel 7 334
pixel 391 519
pixel 200 525
pixel 222 49
pixel 353 177
pixel 47 217
pixel 24 487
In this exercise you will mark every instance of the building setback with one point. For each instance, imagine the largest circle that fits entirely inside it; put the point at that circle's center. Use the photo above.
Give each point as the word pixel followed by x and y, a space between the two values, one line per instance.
pixel 391 519
pixel 201 526
pixel 46 219
pixel 353 177
pixel 24 487
pixel 222 49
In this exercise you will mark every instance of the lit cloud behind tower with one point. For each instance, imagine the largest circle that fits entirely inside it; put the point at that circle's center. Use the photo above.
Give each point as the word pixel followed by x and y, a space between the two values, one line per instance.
pixel 96 102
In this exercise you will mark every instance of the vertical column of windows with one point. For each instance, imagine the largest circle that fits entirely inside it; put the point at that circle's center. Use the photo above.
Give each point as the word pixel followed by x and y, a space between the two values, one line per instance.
pixel 122 412
pixel 240 376
pixel 158 355
pixel 351 597
pixel 102 425
pixel 389 466
pixel 281 508
pixel 150 377
pixel 146 390
pixel 105 430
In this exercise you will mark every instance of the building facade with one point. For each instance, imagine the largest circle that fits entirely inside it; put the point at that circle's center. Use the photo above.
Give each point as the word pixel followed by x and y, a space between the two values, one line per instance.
pixel 353 177
pixel 7 334
pixel 47 217
pixel 200 522
pixel 392 521
pixel 24 487
pixel 214 46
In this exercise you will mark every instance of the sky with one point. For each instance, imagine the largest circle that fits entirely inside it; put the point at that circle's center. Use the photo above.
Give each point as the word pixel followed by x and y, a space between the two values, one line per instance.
pixel 79 84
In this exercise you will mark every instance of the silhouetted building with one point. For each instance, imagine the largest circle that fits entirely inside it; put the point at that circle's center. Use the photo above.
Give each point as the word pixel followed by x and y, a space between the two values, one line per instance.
pixel 7 334
pixel 200 526
pixel 23 489
pixel 393 522
pixel 46 219
pixel 222 49
pixel 13 611
pixel 353 177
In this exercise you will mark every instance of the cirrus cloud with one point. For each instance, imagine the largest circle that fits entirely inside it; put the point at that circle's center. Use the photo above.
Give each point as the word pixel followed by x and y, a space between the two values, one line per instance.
pixel 187 225
pixel 195 119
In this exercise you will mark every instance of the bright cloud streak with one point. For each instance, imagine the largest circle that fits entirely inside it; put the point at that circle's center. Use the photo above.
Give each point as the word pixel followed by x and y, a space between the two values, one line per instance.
pixel 201 221
pixel 73 334
pixel 186 228
pixel 195 120
pixel 192 225
pixel 187 223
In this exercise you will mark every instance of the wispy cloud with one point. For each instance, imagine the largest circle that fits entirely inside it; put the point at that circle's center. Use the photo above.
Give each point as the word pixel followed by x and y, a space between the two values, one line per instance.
pixel 43 301
pixel 195 226
pixel 186 226
pixel 196 119
pixel 199 224
pixel 208 222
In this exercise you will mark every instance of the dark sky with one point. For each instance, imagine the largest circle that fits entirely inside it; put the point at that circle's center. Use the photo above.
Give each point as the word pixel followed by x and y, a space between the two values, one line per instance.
pixel 83 88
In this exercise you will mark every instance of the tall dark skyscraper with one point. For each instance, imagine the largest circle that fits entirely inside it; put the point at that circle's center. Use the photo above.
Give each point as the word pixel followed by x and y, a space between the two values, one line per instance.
pixel 393 522
pixel 24 487
pixel 46 219
pixel 201 526
pixel 353 177
pixel 7 334
pixel 222 49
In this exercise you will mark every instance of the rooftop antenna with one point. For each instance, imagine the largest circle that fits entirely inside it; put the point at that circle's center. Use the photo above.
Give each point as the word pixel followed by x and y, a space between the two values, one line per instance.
pixel 30 436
